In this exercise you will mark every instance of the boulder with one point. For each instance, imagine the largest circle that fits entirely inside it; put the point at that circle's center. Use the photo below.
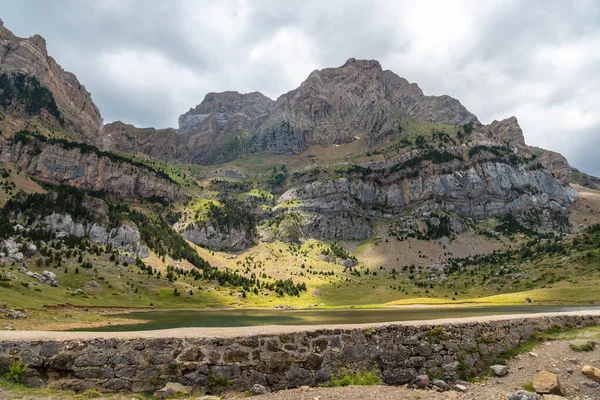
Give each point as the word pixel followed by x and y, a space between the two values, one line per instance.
pixel 92 285
pixel 499 370
pixel 171 389
pixel 258 390
pixel 440 384
pixel 524 395
pixel 9 247
pixel 591 373
pixel 17 257
pixel 422 381
pixel 31 249
pixel 348 263
pixel 48 278
pixel 547 383
pixel 460 388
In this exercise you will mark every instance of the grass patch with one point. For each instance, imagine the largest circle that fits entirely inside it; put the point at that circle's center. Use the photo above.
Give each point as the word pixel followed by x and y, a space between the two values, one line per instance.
pixel 586 347
pixel 362 378
pixel 529 386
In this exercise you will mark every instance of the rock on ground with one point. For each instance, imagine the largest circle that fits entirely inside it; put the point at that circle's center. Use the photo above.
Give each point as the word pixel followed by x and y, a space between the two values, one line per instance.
pixel 547 383
pixel 591 373
pixel 499 370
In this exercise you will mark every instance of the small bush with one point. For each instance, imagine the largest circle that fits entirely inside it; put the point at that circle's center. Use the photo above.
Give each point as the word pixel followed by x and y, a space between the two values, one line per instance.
pixel 220 381
pixel 16 371
pixel 589 346
pixel 363 378
pixel 529 386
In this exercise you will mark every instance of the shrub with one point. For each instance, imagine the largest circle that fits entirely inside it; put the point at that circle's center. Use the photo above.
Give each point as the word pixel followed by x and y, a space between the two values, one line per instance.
pixel 362 378
pixel 16 370
pixel 586 347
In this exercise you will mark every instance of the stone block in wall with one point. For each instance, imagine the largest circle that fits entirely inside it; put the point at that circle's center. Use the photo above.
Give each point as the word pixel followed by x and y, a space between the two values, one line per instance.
pixel 94 373
pixel 297 377
pixel 118 385
pixel 228 372
pixel 399 376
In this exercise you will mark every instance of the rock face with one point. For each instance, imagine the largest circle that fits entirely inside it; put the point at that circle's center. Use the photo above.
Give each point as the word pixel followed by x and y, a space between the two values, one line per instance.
pixel 55 164
pixel 206 235
pixel 124 238
pixel 30 56
pixel 487 189
pixel 333 106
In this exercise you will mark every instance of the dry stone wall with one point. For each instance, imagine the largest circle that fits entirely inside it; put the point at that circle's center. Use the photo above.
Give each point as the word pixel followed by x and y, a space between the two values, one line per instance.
pixel 397 352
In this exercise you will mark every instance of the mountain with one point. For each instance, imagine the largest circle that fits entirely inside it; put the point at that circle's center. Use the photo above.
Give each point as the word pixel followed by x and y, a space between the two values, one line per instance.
pixel 354 188
pixel 333 106
pixel 29 56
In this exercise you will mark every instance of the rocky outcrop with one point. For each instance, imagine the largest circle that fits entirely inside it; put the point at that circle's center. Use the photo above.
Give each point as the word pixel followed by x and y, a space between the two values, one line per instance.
pixel 207 235
pixel 487 189
pixel 10 249
pixel 30 56
pixel 508 131
pixel 58 165
pixel 125 237
pixel 227 111
pixel 301 224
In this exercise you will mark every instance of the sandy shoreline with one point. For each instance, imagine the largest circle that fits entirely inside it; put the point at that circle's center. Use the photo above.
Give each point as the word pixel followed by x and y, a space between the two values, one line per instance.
pixel 233 332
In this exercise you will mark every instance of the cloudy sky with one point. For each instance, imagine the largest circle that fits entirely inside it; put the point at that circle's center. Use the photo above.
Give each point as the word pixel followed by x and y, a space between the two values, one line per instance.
pixel 145 62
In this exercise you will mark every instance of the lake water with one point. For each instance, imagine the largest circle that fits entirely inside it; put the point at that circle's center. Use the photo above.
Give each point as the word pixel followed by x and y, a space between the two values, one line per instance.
pixel 167 319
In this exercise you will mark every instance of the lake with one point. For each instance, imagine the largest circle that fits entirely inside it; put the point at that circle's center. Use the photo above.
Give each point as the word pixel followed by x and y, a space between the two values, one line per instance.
pixel 167 319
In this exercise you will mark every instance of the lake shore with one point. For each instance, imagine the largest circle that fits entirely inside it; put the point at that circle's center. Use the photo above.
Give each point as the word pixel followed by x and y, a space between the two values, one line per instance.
pixel 233 332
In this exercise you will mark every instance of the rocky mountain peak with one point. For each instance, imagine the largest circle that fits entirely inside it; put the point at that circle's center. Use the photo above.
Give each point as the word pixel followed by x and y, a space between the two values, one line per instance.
pixel 29 56
pixel 363 64
pixel 507 130
pixel 223 107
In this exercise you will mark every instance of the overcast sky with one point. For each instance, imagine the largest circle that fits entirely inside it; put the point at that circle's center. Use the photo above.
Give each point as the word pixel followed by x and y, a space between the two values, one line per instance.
pixel 146 62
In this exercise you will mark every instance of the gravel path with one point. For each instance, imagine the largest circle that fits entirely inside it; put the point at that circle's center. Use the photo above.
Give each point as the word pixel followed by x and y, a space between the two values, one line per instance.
pixel 250 330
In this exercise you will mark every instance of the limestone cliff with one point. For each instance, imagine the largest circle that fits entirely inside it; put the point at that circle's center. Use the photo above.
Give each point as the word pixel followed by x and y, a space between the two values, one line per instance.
pixel 125 238
pixel 59 165
pixel 508 131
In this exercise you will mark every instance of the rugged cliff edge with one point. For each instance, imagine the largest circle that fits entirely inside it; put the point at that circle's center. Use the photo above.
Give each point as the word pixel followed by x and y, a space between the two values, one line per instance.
pixel 58 164
pixel 30 56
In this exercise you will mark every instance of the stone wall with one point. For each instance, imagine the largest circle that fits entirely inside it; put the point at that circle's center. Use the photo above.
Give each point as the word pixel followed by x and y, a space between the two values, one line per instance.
pixel 279 361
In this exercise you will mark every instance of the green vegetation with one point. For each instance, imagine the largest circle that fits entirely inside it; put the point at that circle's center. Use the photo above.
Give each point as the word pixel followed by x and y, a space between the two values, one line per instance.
pixel 351 378
pixel 435 156
pixel 27 91
pixel 529 386
pixel 219 381
pixel 501 153
pixel 231 214
pixel 338 252
pixel 586 347
pixel 16 371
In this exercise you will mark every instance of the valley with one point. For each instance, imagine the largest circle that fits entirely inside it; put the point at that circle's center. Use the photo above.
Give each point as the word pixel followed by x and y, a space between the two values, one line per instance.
pixel 328 236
